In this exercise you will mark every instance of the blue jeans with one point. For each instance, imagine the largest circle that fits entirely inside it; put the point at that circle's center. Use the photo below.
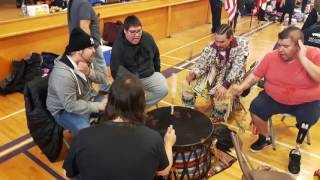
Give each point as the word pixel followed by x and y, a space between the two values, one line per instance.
pixel 74 121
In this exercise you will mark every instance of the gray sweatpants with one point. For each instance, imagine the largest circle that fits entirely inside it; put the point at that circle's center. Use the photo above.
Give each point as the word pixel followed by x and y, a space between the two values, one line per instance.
pixel 156 87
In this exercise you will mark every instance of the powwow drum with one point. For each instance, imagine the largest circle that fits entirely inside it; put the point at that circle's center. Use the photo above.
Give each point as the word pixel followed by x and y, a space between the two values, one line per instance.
pixel 191 153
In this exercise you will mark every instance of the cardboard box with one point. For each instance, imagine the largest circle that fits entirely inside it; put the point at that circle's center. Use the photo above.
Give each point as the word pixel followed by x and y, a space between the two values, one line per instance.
pixel 36 10
pixel 107 53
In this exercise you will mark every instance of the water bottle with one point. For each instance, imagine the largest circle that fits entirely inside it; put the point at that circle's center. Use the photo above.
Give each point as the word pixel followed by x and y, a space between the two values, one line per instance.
pixel 24 8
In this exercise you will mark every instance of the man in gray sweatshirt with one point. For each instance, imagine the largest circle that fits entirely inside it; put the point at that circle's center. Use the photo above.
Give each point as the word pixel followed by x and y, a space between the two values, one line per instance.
pixel 71 98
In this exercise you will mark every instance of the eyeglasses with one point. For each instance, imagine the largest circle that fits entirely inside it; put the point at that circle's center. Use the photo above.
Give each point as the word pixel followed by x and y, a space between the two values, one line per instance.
pixel 139 31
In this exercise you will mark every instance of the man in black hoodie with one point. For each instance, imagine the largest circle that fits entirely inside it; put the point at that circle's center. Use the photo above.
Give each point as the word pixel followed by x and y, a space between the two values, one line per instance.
pixel 136 52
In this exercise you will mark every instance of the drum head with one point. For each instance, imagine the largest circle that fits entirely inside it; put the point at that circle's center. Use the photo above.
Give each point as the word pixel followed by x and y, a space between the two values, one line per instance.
pixel 192 127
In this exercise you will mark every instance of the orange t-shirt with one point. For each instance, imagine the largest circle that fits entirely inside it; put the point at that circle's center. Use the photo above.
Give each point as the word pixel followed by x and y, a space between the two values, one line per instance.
pixel 289 83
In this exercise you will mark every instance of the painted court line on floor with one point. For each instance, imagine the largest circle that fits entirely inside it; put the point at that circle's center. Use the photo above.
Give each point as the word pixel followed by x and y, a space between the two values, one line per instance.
pixel 12 114
pixel 43 165
pixel 172 57
pixel 14 142
pixel 171 66
pixel 15 147
pixel 189 62
pixel 16 152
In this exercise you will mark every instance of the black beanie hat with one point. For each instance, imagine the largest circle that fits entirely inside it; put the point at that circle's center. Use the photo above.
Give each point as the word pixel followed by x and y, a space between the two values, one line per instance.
pixel 79 40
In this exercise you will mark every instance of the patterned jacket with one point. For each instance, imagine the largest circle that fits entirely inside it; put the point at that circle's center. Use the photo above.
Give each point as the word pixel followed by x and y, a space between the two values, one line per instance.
pixel 226 71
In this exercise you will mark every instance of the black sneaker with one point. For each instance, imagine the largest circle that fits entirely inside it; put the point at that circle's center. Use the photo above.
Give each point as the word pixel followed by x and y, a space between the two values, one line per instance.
pixel 294 161
pixel 261 143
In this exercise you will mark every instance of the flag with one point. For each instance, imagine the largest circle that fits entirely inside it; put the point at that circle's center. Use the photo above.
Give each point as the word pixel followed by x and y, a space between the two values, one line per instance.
pixel 231 7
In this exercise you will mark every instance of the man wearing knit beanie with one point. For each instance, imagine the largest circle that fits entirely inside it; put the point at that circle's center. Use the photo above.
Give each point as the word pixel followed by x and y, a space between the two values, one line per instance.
pixel 79 40
pixel 71 99
pixel 81 14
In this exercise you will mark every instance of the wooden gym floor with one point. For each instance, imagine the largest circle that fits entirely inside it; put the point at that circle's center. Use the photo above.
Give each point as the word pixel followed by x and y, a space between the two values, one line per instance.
pixel 21 159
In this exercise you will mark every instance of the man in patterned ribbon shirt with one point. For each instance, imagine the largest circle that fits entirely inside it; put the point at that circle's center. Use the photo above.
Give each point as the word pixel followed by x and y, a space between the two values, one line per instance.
pixel 220 64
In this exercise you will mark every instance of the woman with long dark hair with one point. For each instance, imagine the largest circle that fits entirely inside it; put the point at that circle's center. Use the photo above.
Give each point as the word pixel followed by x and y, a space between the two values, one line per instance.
pixel 121 147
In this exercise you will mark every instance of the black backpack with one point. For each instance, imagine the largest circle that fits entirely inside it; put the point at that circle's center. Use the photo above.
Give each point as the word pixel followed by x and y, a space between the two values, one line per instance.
pixel 45 131
pixel 21 72
pixel 223 135
pixel 112 31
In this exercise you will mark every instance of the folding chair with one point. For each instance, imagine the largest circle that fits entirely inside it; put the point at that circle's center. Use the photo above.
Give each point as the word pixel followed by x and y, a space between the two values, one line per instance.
pixel 249 173
pixel 273 132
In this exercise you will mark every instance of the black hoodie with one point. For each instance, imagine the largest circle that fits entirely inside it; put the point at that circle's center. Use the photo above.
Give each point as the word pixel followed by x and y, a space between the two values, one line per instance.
pixel 142 59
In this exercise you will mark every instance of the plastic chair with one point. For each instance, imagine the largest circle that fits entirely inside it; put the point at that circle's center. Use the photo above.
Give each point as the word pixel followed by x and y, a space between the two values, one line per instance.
pixel 273 132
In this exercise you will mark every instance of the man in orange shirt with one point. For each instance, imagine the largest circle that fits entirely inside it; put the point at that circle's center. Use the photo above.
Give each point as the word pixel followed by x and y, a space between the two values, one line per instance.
pixel 292 86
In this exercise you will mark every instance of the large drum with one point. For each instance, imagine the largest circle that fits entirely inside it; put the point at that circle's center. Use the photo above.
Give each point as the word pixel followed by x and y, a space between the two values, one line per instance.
pixel 191 153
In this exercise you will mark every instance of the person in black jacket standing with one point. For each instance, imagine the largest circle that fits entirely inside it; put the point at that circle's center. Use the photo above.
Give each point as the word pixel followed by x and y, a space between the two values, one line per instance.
pixel 288 7
pixel 215 6
pixel 136 52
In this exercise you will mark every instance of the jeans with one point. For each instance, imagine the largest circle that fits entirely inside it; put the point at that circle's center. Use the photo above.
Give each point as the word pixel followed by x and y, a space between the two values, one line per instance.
pixel 74 121
pixel 157 88
pixel 100 61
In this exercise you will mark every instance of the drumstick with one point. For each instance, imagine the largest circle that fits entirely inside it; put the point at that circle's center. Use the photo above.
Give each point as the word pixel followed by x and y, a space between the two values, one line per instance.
pixel 173 90
pixel 190 58
pixel 189 61
pixel 190 55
